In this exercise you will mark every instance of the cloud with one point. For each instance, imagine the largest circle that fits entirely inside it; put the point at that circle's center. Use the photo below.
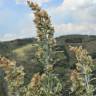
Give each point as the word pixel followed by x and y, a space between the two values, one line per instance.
pixel 28 30
pixel 74 4
pixel 12 36
pixel 25 28
pixel 40 2
pixel 76 11
pixel 66 29
pixel 71 17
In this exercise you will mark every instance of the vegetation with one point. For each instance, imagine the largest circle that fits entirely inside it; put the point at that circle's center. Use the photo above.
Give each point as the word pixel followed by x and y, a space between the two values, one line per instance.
pixel 81 77
pixel 56 71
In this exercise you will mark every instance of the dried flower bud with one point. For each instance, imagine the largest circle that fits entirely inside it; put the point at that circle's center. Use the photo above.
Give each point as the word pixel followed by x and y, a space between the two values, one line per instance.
pixel 34 6
pixel 35 80
pixel 42 13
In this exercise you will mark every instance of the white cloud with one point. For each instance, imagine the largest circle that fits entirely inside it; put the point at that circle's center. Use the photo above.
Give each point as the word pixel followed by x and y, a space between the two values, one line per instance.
pixel 28 30
pixel 64 29
pixel 22 33
pixel 40 2
pixel 23 29
pixel 79 11
pixel 74 4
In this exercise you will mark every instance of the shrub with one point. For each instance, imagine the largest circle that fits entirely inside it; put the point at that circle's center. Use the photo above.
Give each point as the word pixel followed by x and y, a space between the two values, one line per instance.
pixel 50 84
pixel 46 82
pixel 81 76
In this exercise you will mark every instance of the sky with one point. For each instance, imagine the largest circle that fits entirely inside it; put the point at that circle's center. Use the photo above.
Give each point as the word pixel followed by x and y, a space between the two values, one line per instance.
pixel 68 17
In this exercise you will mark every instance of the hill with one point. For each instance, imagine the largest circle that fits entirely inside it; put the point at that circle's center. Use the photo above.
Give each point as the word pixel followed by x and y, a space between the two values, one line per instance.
pixel 22 51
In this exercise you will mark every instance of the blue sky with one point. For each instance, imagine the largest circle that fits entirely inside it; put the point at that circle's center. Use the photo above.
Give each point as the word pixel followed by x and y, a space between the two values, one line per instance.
pixel 68 17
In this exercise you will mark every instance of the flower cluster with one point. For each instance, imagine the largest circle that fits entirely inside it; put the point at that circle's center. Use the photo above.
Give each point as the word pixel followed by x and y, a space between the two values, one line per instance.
pixel 47 83
pixel 14 76
pixel 33 88
pixel 44 27
pixel 45 32
pixel 50 84
pixel 84 67
pixel 44 85
pixel 6 64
